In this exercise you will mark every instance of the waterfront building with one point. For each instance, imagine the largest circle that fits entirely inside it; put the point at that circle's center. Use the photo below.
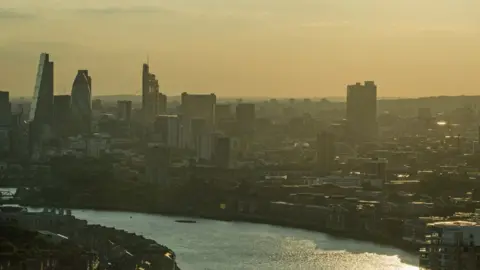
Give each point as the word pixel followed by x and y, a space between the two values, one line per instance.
pixel 362 112
pixel 82 102
pixel 325 153
pixel 62 115
pixel 41 109
pixel 451 245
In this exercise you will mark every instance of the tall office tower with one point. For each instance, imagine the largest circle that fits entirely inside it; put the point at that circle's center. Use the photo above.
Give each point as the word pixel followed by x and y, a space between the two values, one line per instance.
pixel 223 112
pixel 325 153
pixel 82 102
pixel 145 90
pixel 153 102
pixel 124 110
pixel 166 130
pixel 197 106
pixel 157 164
pixel 5 109
pixel 41 108
pixel 223 152
pixel 5 120
pixel 362 111
pixel 62 115
pixel 161 104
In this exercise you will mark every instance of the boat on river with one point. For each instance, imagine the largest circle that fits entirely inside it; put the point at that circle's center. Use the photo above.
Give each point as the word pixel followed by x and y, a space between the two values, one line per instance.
pixel 185 221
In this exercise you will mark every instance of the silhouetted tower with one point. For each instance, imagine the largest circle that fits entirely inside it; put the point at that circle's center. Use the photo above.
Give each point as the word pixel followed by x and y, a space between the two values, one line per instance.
pixel 82 102
pixel 362 111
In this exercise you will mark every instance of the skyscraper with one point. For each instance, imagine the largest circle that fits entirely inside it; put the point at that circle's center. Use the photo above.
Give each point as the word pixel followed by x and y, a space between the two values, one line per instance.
pixel 362 111
pixel 5 109
pixel 325 153
pixel 82 102
pixel 41 108
pixel 153 102
pixel 62 115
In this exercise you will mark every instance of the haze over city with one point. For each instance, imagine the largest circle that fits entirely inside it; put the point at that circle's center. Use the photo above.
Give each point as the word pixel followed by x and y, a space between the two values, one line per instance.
pixel 246 48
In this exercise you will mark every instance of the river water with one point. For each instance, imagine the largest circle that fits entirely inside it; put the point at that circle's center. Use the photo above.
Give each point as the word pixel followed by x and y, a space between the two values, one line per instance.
pixel 219 245
pixel 210 244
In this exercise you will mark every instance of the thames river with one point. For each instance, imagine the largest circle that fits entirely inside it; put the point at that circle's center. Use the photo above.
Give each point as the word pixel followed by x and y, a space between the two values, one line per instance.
pixel 210 244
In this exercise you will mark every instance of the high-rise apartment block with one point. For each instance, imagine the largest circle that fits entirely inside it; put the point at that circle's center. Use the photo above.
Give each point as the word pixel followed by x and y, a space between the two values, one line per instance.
pixel 196 107
pixel 362 112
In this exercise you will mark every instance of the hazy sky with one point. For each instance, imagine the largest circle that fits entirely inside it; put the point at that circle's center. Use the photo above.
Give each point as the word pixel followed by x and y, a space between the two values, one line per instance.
pixel 246 47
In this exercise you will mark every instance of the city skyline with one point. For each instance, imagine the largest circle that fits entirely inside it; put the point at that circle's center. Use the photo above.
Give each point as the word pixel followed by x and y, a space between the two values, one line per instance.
pixel 267 48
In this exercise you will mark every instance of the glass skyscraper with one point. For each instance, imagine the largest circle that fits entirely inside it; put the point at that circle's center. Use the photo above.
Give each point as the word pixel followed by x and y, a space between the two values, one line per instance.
pixel 41 109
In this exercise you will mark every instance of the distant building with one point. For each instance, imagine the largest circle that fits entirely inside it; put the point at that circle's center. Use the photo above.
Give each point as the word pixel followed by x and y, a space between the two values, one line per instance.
pixel 97 105
pixel 223 112
pixel 166 130
pixel 157 160
pixel 62 115
pixel 223 152
pixel 199 129
pixel 82 102
pixel 161 104
pixel 5 109
pixel 200 107
pixel 362 112
pixel 245 116
pixel 325 153
pixel 153 102
pixel 124 110
pixel 41 109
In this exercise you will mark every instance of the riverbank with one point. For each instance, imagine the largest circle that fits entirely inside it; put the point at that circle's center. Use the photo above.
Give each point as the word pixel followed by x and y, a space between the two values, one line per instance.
pixel 252 218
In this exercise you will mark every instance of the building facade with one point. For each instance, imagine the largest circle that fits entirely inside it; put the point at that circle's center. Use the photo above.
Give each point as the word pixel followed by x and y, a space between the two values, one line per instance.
pixel 82 102
pixel 362 112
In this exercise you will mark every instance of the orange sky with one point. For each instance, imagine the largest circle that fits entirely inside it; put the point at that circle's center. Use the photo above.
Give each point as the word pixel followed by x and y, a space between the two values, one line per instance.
pixel 282 48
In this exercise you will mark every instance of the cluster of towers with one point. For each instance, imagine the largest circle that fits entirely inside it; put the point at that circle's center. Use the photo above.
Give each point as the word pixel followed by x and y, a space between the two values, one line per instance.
pixel 61 115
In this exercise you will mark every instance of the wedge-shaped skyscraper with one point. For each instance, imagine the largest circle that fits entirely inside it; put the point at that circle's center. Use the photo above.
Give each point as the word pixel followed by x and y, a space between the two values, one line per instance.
pixel 41 109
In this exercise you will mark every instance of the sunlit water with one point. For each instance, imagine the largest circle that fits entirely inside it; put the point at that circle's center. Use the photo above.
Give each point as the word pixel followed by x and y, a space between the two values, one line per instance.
pixel 210 244
pixel 221 245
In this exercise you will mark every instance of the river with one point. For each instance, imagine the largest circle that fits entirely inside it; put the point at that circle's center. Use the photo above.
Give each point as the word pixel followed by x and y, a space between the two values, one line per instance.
pixel 210 244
